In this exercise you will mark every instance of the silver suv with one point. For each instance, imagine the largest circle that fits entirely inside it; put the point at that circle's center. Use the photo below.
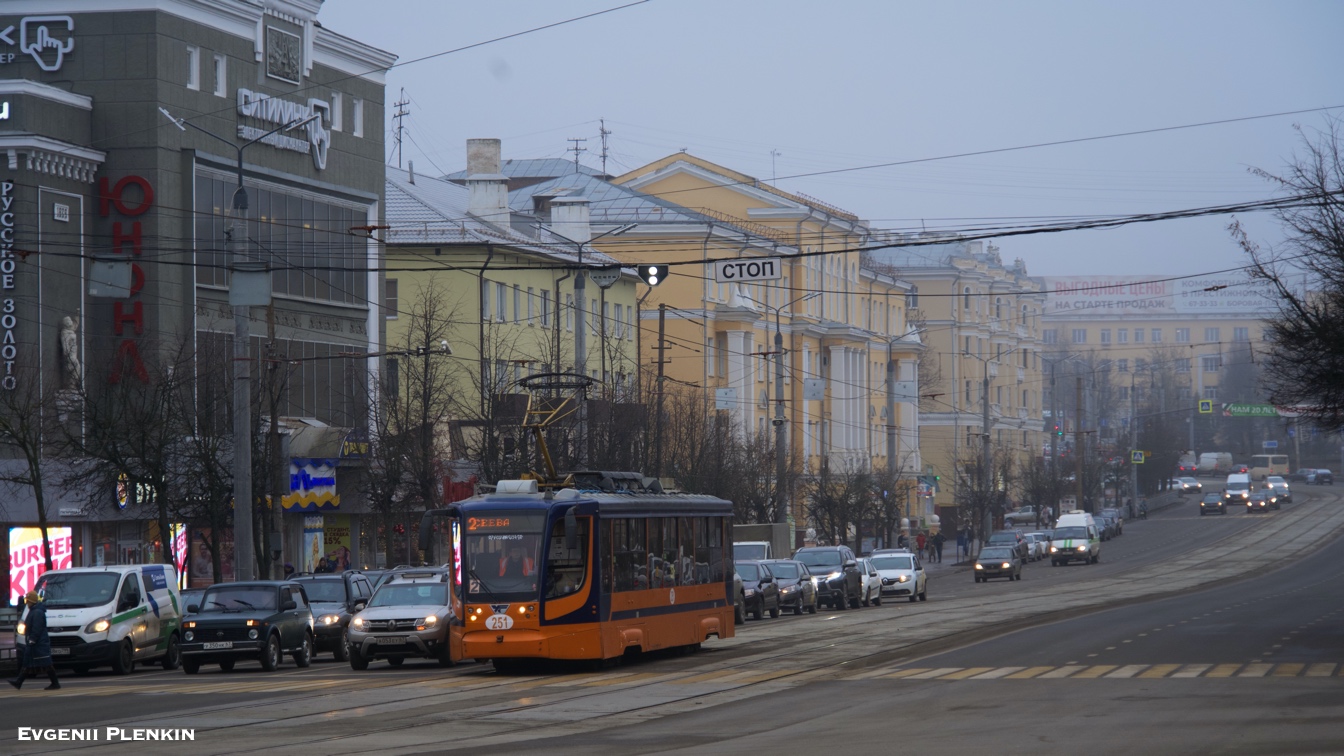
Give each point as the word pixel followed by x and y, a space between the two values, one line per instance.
pixel 407 617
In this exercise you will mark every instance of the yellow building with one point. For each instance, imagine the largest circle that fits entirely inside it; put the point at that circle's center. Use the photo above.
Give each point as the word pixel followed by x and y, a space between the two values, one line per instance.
pixel 981 320
pixel 503 297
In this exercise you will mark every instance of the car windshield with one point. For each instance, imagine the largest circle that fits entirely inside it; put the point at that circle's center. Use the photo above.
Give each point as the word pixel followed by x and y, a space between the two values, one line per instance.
pixel 1275 479
pixel 1003 538
pixel 1191 481
pixel 819 558
pixel 748 571
pixel 231 599
pixel 749 550
pixel 502 549
pixel 77 589
pixel 410 594
pixel 784 570
pixel 995 554
pixel 324 591
pixel 892 563
pixel 1066 533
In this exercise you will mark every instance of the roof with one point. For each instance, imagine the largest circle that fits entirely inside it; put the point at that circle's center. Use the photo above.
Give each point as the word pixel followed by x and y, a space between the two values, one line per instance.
pixel 534 168
pixel 607 202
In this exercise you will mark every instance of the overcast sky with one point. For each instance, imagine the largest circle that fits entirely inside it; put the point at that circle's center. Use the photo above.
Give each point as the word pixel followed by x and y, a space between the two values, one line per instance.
pixel 847 84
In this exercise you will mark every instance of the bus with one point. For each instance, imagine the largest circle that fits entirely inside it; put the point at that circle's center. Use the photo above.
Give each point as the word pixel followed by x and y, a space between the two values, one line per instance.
pixel 1264 465
pixel 607 567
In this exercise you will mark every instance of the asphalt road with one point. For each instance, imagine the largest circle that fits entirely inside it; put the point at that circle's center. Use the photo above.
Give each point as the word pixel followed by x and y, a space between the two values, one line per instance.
pixel 1250 666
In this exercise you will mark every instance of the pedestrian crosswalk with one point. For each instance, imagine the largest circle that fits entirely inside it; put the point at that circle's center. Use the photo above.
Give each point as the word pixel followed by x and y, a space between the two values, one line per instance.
pixel 1104 671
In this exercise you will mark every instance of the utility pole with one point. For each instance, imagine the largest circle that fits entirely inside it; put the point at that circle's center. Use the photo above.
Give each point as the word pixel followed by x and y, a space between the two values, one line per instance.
pixel 1078 447
pixel 576 149
pixel 781 510
pixel 986 467
pixel 1134 434
pixel 278 486
pixel 658 407
pixel 1054 438
pixel 401 113
pixel 602 131
pixel 891 431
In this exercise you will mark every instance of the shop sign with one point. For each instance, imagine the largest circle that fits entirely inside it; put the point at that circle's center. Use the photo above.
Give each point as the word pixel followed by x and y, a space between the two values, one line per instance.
pixel 278 112
pixel 179 541
pixel 47 38
pixel 9 350
pixel 312 486
pixel 27 561
pixel 356 444
pixel 128 314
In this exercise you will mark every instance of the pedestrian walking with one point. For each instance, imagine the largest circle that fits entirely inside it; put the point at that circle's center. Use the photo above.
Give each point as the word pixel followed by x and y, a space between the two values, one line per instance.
pixel 902 542
pixel 37 653
pixel 961 545
pixel 938 540
pixel 920 542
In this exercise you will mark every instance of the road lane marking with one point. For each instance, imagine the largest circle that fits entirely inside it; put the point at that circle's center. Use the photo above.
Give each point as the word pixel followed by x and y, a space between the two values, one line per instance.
pixel 1256 670
pixel 935 673
pixel 965 673
pixel 1158 671
pixel 1287 670
pixel 1062 672
pixel 1029 673
pixel 1192 670
pixel 1321 670
pixel 904 673
pixel 995 674
pixel 1224 670
pixel 1128 670
pixel 1094 672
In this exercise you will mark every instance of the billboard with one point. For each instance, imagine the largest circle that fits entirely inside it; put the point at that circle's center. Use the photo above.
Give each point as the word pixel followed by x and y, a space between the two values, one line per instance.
pixel 27 560
pixel 1224 294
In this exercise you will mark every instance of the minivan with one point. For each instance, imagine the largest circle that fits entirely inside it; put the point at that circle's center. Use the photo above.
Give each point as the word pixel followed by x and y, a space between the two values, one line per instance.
pixel 116 616
pixel 1075 537
pixel 1238 488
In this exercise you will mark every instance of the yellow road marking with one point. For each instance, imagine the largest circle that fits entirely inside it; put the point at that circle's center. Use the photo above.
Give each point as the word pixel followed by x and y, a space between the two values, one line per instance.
pixel 706 677
pixel 1062 672
pixel 935 673
pixel 1029 673
pixel 995 674
pixel 1321 670
pixel 1224 670
pixel 1159 670
pixel 1256 670
pixel 965 673
pixel 1287 670
pixel 1128 670
pixel 1093 672
pixel 1192 670
pixel 900 674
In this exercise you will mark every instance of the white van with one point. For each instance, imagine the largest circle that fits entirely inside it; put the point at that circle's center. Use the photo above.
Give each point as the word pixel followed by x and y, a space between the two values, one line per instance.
pixel 1238 488
pixel 1075 537
pixel 752 550
pixel 112 616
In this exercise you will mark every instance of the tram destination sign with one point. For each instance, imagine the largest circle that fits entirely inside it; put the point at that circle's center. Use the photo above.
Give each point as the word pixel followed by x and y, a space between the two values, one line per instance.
pixel 754 269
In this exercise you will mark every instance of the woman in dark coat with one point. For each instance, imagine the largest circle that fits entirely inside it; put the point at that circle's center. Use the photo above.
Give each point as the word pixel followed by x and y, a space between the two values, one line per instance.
pixel 37 654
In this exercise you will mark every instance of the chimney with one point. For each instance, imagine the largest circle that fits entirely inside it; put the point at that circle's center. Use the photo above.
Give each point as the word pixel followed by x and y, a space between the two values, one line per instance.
pixel 410 169
pixel 570 218
pixel 488 190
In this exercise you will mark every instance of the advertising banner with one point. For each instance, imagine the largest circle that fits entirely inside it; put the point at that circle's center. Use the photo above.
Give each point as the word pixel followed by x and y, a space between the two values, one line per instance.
pixel 1227 294
pixel 27 560
pixel 313 544
pixel 202 571
pixel 312 486
pixel 336 537
pixel 180 551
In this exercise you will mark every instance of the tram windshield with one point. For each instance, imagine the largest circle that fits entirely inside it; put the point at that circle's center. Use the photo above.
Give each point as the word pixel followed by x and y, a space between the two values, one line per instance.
pixel 501 555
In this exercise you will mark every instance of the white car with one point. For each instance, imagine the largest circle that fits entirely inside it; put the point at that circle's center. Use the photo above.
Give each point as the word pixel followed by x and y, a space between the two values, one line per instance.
pixel 1040 546
pixel 1279 487
pixel 870 583
pixel 901 574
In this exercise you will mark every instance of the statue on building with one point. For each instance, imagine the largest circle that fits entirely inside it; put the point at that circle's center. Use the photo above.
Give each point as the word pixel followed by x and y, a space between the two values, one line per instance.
pixel 71 370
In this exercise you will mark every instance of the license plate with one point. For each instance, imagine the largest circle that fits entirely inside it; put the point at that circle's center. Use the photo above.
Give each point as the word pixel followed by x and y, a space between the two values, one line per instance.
pixel 58 651
pixel 217 646
pixel 397 640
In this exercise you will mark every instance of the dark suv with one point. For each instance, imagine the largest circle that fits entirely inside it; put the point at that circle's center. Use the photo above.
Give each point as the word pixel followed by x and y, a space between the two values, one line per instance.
pixel 1014 540
pixel 335 597
pixel 1212 502
pixel 759 588
pixel 836 570
pixel 260 620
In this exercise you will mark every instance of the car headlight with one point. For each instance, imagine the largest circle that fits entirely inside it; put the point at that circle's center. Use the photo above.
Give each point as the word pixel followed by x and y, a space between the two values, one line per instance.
pixel 431 620
pixel 903 578
pixel 330 619
pixel 252 633
pixel 99 625
pixel 21 629
pixel 189 636
pixel 788 589
pixel 358 622
pixel 979 566
pixel 1082 548
pixel 1053 549
pixel 1005 565
pixel 750 591
pixel 834 575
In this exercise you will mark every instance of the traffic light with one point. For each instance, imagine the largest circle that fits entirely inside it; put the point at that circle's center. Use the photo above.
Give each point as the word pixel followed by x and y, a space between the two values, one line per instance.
pixel 653 274
pixel 1058 432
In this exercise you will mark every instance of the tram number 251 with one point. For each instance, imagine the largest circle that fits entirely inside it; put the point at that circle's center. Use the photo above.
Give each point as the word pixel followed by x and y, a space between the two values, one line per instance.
pixel 498 622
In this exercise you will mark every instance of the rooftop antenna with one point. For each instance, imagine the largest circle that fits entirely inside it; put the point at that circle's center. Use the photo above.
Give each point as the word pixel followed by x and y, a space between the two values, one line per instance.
pixel 602 129
pixel 773 154
pixel 401 113
pixel 576 149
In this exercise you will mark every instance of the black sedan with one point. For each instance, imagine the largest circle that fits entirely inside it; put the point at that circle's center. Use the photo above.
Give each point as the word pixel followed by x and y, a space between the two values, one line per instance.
pixel 998 561
pixel 1262 501
pixel 796 589
pixel 762 594
pixel 256 621
pixel 1212 502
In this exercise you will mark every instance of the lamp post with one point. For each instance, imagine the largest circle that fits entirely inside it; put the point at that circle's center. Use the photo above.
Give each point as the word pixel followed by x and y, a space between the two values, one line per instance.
pixel 986 468
pixel 580 335
pixel 246 279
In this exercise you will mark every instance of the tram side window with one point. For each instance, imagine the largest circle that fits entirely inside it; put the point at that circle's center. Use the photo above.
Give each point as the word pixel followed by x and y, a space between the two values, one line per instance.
pixel 716 540
pixel 630 567
pixel 612 530
pixel 655 526
pixel 686 551
pixel 703 526
pixel 566 569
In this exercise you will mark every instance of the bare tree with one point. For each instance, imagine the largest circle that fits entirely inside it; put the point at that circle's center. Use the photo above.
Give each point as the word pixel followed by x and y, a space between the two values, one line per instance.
pixel 28 426
pixel 1306 276
pixel 838 497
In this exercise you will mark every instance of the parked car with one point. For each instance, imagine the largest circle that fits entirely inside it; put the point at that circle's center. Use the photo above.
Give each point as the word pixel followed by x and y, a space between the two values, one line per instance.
pixel 1024 516
pixel 837 571
pixel 739 600
pixel 901 574
pixel 871 589
pixel 1262 501
pixel 1116 521
pixel 762 594
pixel 1040 544
pixel 797 591
pixel 407 617
pixel 1212 502
pixel 1280 487
pixel 1013 539
pixel 1321 477
pixel 336 597
pixel 253 621
pixel 998 561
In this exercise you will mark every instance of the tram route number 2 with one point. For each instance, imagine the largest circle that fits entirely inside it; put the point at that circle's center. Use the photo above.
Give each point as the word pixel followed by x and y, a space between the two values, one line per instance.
pixel 498 622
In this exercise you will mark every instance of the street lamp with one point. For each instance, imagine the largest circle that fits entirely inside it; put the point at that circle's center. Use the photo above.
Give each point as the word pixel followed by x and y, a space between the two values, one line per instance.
pixel 246 280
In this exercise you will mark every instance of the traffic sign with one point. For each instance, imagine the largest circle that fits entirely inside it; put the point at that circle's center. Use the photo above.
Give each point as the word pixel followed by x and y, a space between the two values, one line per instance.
pixel 751 269
pixel 1271 444
pixel 1206 406
pixel 1243 409
pixel 1136 457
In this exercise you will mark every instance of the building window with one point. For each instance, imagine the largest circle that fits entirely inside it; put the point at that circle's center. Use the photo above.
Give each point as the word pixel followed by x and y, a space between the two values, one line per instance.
pixel 517 304
pixel 1122 335
pixel 968 393
pixel 1122 366
pixel 1105 335
pixel 390 299
pixel 393 376
pixel 1183 365
pixel 630 322
pixel 1211 392
pixel 569 312
pixel 1241 334
pixel 912 298
pixel 1138 335
pixel 531 305
pixel 1080 335
pixel 1050 336
pixel 1211 363
pixel 966 298
pixel 357 116
pixel 1182 335
pixel 193 67
pixel 1211 335
pixel 337 112
pixel 485 300
pixel 221 76
pixel 501 302
pixel 546 307
pixel 1157 335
